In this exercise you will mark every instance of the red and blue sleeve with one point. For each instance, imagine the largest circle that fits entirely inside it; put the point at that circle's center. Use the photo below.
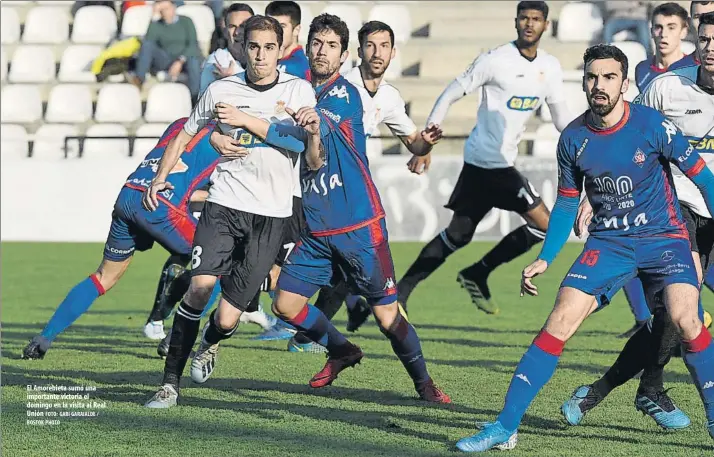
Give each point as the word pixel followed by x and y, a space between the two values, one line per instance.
pixel 566 204
pixel 681 152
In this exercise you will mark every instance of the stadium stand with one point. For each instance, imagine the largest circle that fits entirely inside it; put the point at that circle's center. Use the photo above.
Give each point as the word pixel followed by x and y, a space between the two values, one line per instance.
pixel 69 103
pixel 118 103
pixel 97 148
pixel 32 64
pixel 50 142
pixel 94 25
pixel 76 62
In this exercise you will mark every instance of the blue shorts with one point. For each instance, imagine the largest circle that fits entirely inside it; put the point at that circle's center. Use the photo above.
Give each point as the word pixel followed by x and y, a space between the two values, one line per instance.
pixel 362 256
pixel 608 263
pixel 136 229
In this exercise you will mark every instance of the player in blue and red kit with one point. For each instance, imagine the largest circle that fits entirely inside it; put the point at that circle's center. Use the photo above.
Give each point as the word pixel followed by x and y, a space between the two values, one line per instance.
pixel 345 222
pixel 133 228
pixel 294 60
pixel 620 154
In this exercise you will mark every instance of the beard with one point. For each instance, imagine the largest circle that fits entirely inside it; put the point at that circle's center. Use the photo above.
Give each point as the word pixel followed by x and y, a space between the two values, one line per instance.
pixel 604 109
pixel 323 71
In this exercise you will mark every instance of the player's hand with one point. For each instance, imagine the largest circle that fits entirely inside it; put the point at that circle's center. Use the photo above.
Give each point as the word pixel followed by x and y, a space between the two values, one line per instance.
pixel 225 72
pixel 227 146
pixel 419 164
pixel 432 134
pixel 175 69
pixel 585 215
pixel 230 115
pixel 305 116
pixel 150 201
pixel 536 268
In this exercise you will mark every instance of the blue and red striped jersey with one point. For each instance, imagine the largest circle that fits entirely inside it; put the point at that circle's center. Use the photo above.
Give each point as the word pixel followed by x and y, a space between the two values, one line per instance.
pixel 192 171
pixel 626 174
pixel 295 64
pixel 340 196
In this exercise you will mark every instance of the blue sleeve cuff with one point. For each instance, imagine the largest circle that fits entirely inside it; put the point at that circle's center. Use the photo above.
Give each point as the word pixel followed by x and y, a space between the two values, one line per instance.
pixel 288 137
pixel 704 180
pixel 561 223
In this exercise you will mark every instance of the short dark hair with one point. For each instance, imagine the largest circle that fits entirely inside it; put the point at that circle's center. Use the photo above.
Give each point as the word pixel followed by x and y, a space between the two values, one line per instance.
pixel 606 51
pixel 706 19
pixel 259 22
pixel 671 9
pixel 236 8
pixel 371 27
pixel 697 3
pixel 326 22
pixel 538 6
pixel 284 8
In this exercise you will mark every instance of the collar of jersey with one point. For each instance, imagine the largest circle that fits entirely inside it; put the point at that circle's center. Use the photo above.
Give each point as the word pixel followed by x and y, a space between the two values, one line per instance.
pixel 610 130
pixel 262 88
pixel 320 89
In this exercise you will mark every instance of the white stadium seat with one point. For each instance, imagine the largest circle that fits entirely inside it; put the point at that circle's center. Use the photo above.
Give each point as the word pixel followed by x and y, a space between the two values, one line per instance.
pixel 98 149
pixel 118 103
pixel 69 103
pixel 94 24
pixel 580 21
pixel 32 64
pixel 136 20
pixel 203 20
pixel 10 22
pixel 3 64
pixel 21 103
pixel 76 63
pixel 306 17
pixel 50 142
pixel 546 141
pixel 398 18
pixel 46 25
pixel 13 141
pixel 167 102
pixel 349 13
pixel 635 53
pixel 143 146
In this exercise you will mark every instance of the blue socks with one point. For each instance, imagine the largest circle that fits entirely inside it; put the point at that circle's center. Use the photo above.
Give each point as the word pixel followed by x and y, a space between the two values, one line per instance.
pixel 76 303
pixel 315 325
pixel 636 298
pixel 407 347
pixel 699 358
pixel 532 373
pixel 212 300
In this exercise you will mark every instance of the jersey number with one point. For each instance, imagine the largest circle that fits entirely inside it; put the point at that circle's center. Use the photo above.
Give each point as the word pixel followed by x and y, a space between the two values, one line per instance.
pixel 523 193
pixel 289 247
pixel 590 257
pixel 196 257
pixel 670 129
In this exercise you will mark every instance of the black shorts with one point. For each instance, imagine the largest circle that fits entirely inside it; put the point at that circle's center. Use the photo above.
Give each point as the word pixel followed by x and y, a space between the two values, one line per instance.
pixel 291 234
pixel 238 247
pixel 480 189
pixel 701 235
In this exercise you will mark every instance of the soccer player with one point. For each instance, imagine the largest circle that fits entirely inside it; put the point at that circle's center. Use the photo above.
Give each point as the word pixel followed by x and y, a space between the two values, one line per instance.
pixel 135 229
pixel 670 26
pixel 293 60
pixel 618 152
pixel 685 97
pixel 376 50
pixel 514 79
pixel 249 202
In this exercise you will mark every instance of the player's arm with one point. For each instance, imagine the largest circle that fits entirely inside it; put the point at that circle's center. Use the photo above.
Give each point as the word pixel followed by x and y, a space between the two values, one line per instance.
pixel 555 99
pixel 677 149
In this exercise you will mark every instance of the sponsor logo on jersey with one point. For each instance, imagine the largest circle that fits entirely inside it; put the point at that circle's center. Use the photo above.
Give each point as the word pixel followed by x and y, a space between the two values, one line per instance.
pixel 320 185
pixel 577 276
pixel 708 385
pixel 121 251
pixel 517 103
pixel 389 285
pixel 335 117
pixel 706 144
pixel 687 153
pixel 693 111
pixel 616 223
pixel 339 92
pixel 582 148
pixel 247 139
pixel 639 157
pixel 667 256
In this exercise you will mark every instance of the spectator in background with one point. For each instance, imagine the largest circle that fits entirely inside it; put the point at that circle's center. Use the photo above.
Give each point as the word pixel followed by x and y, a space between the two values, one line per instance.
pixel 293 60
pixel 229 60
pixel 81 4
pixel 628 15
pixel 170 45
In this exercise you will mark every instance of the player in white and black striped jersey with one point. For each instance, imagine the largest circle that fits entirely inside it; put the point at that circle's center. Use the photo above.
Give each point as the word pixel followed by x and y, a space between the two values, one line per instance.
pixel 514 79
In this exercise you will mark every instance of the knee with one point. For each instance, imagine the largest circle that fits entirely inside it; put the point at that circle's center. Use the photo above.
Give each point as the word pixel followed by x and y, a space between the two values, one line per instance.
pixel 200 291
pixel 456 238
pixel 686 321
pixel 386 317
pixel 226 319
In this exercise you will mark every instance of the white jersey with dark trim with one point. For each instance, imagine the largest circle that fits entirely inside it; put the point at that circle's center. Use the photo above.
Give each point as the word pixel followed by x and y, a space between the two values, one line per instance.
pixel 677 95
pixel 512 89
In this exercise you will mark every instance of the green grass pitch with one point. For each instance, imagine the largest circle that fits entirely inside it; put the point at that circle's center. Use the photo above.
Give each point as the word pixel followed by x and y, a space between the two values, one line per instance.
pixel 258 402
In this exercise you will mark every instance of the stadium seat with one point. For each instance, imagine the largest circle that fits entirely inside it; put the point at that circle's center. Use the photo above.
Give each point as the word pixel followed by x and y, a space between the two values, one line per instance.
pixel 32 64
pixel 398 18
pixel 546 141
pixel 136 21
pixel 76 62
pixel 21 103
pixel 10 21
pixel 167 102
pixel 349 13
pixel 50 144
pixel 580 21
pixel 118 103
pixel 69 103
pixel 306 17
pixel 203 20
pixel 143 146
pixel 3 64
pixel 13 141
pixel 46 25
pixel 94 25
pixel 97 149
pixel 635 53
